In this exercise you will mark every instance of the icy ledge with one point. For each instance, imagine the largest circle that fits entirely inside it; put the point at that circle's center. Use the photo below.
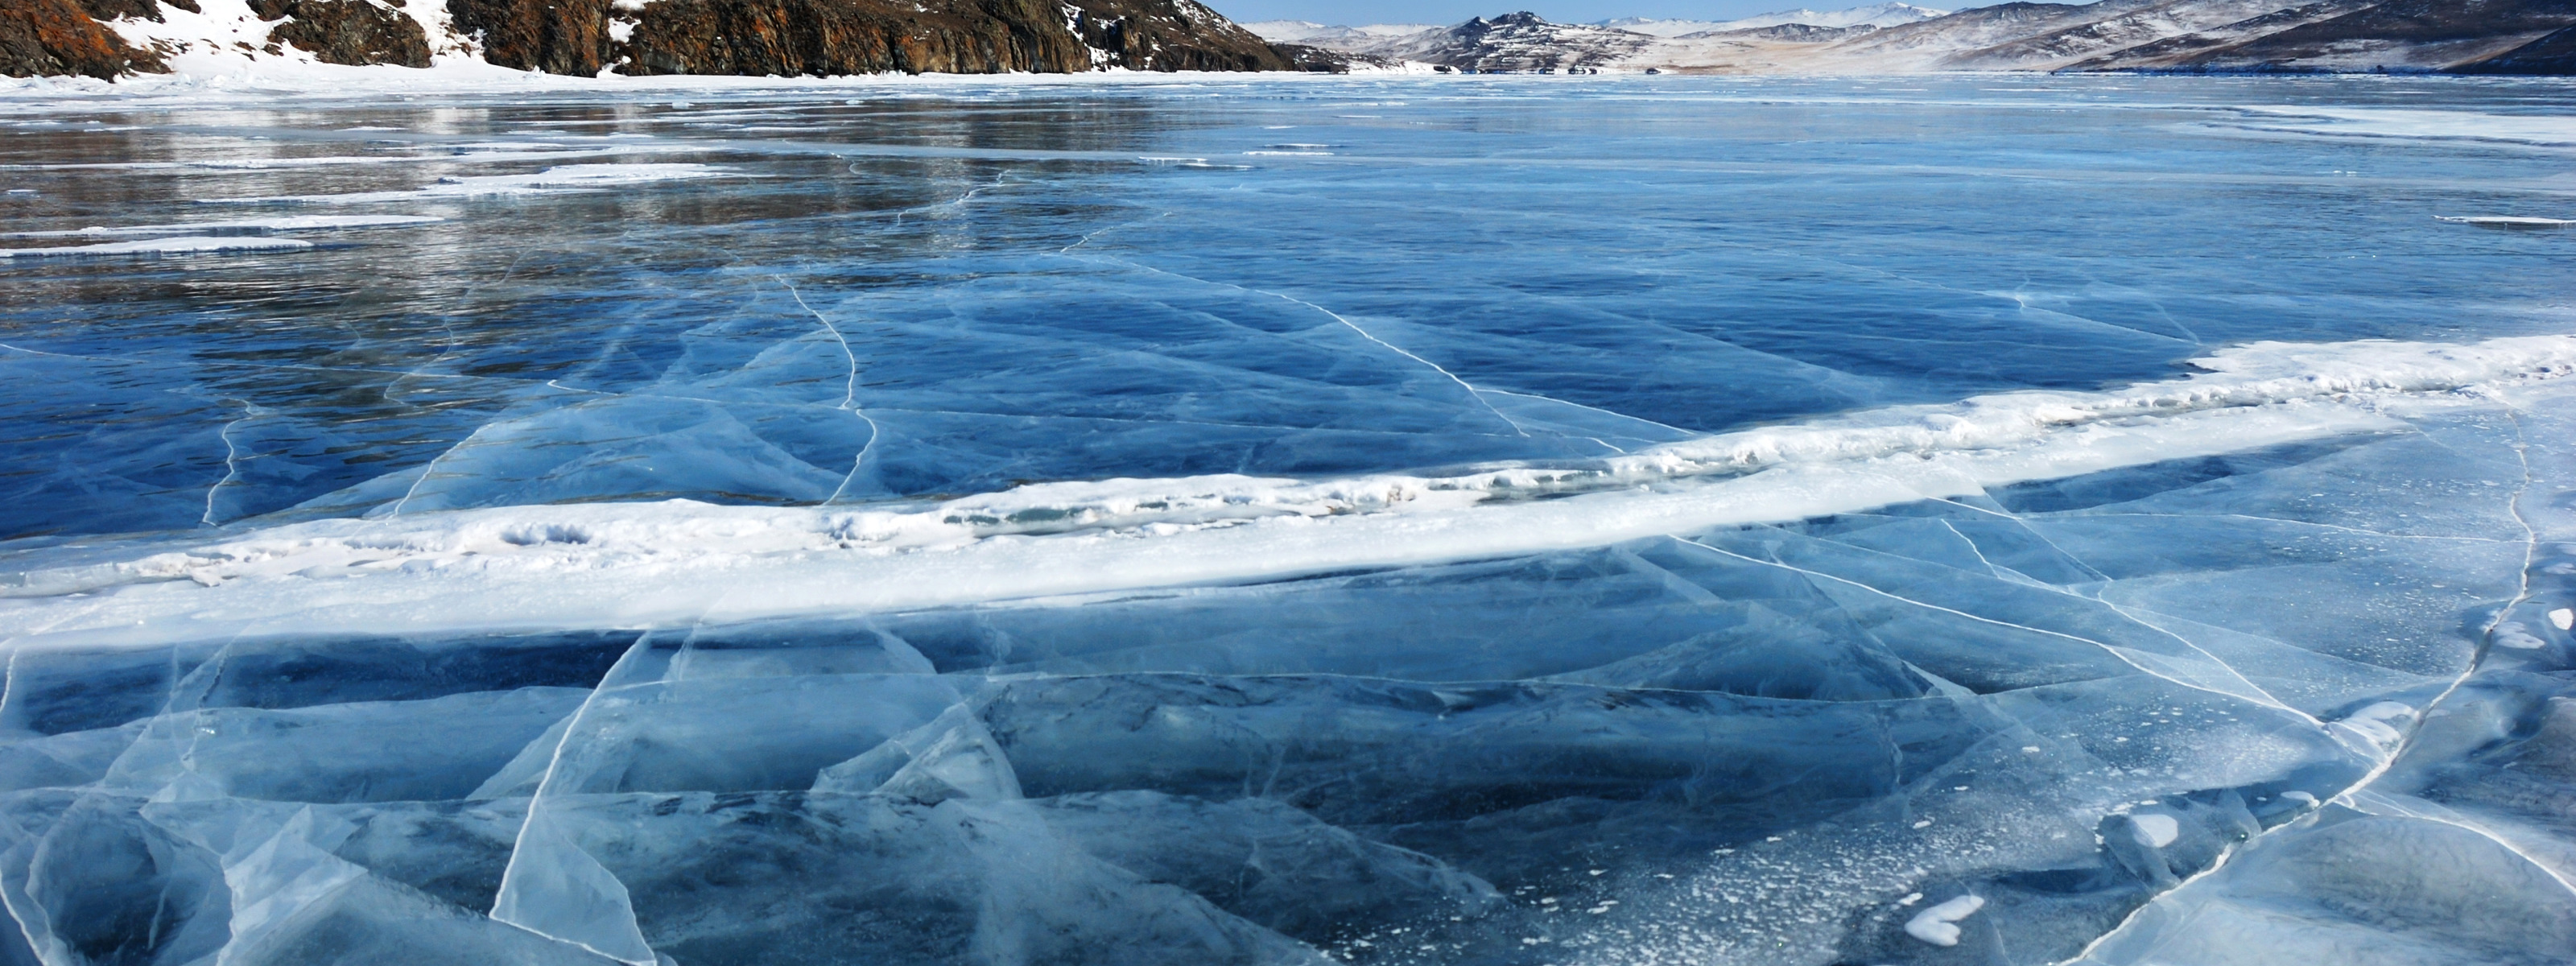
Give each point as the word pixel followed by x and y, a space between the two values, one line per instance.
pixel 636 564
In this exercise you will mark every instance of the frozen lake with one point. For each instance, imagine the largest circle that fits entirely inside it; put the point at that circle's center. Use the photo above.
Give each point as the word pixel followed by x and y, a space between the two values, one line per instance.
pixel 1431 520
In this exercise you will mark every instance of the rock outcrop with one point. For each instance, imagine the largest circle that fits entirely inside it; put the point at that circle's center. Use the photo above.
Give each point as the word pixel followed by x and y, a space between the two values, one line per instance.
pixel 1514 42
pixel 789 37
pixel 559 37
pixel 351 32
pixel 792 37
pixel 61 38
pixel 1172 35
pixel 2416 35
pixel 737 37
pixel 2554 53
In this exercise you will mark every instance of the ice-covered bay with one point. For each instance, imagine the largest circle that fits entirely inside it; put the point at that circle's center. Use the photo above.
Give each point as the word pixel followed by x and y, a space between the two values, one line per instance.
pixel 1497 520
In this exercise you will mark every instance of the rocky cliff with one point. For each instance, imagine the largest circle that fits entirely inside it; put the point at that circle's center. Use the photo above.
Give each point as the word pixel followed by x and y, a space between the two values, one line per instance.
pixel 107 38
pixel 60 37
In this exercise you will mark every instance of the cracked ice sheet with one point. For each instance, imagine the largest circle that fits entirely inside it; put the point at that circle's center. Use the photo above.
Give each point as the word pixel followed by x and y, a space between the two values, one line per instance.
pixel 1826 674
pixel 1985 789
pixel 1750 743
pixel 1854 776
pixel 997 347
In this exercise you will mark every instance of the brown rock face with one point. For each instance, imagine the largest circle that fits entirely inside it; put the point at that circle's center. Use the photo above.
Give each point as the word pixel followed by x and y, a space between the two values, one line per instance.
pixel 57 37
pixel 793 37
pixel 351 32
pixel 1171 35
pixel 2552 54
pixel 555 36
pixel 2423 22
pixel 825 37
pixel 1317 60
pixel 740 37
pixel 138 9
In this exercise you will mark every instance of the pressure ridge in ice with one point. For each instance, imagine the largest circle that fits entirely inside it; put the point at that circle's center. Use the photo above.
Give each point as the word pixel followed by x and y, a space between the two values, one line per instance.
pixel 612 563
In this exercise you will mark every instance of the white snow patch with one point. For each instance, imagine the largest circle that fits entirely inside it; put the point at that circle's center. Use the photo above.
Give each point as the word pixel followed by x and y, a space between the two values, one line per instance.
pixel 2544 129
pixel 1938 925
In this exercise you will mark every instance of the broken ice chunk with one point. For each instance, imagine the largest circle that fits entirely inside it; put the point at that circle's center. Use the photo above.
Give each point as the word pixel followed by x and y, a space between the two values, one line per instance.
pixel 2155 831
pixel 951 757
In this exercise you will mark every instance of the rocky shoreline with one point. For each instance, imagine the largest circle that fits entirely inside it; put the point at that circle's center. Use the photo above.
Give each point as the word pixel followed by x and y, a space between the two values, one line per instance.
pixel 664 37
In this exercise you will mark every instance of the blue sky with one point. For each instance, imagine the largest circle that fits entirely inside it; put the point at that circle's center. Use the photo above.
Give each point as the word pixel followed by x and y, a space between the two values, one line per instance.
pixel 1569 11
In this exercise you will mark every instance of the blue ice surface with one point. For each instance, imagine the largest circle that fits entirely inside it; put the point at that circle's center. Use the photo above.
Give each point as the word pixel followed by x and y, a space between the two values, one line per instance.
pixel 2303 701
pixel 1610 266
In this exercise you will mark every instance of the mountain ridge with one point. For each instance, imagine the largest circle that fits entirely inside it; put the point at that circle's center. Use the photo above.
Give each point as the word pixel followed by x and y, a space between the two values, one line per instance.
pixel 2231 36
pixel 1877 15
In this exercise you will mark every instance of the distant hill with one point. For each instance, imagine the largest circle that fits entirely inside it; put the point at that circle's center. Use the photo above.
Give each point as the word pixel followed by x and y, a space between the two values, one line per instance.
pixel 1875 15
pixel 2325 36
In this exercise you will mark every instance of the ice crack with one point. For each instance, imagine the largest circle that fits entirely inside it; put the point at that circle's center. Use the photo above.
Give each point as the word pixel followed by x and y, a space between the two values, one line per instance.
pixel 849 392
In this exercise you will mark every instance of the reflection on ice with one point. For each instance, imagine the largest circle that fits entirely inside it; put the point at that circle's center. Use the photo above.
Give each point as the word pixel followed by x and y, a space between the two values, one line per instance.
pixel 247 225
pixel 569 177
pixel 163 246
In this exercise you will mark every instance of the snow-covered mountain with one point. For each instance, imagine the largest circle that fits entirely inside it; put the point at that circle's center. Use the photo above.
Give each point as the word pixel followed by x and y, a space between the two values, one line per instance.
pixel 1386 38
pixel 1875 15
pixel 1331 35
pixel 2464 36
pixel 1520 42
